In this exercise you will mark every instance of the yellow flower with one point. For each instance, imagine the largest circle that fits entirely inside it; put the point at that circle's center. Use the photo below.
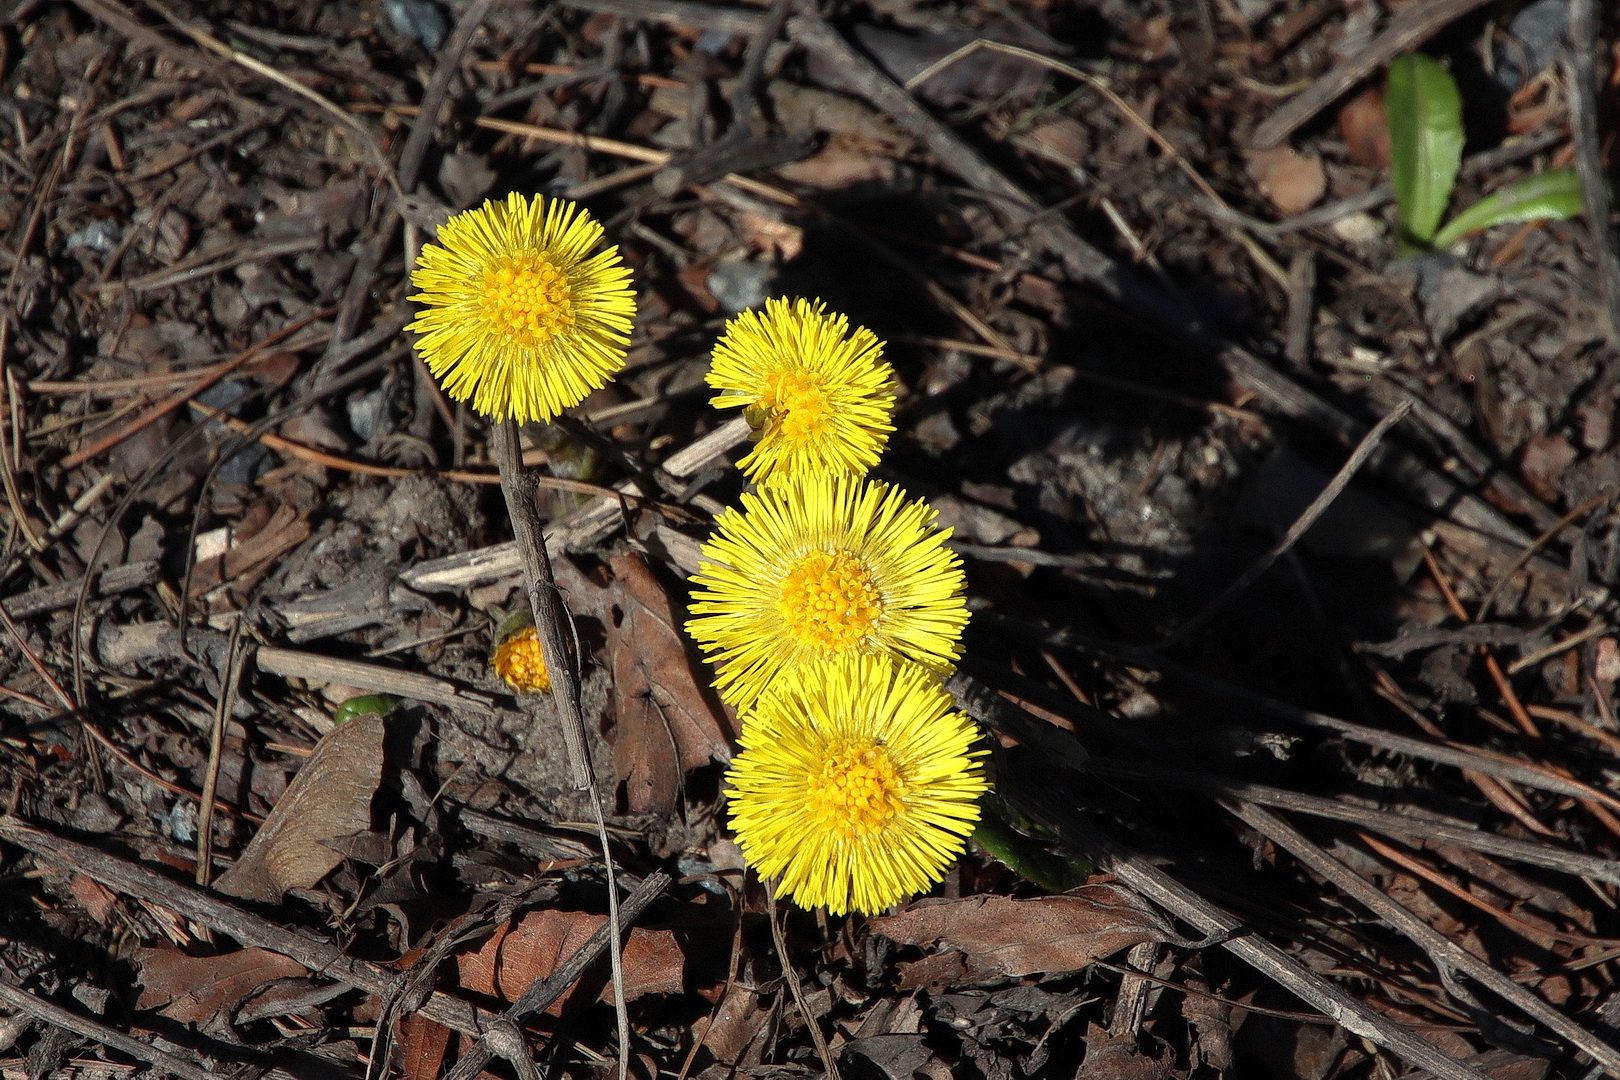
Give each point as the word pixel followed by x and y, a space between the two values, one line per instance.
pixel 818 400
pixel 521 318
pixel 855 783
pixel 519 660
pixel 819 566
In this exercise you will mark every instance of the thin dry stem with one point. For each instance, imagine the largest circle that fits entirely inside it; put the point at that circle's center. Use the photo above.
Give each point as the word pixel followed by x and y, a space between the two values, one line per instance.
pixel 553 626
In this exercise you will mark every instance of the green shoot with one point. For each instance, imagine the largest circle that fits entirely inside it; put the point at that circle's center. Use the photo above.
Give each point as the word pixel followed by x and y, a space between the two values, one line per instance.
pixel 1426 141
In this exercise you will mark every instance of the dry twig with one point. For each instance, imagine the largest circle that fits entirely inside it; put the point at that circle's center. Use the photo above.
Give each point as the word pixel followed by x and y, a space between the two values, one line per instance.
pixel 1301 525
pixel 542 992
pixel 1415 24
pixel 1448 957
pixel 135 880
pixel 557 644
pixel 50 1013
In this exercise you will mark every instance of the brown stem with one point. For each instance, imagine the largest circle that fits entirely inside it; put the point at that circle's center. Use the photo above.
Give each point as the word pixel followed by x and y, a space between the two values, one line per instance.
pixel 551 621
pixel 552 624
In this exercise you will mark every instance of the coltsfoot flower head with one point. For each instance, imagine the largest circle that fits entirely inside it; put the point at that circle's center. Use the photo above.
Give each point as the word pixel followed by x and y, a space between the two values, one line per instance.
pixel 817 394
pixel 819 566
pixel 518 658
pixel 856 783
pixel 521 318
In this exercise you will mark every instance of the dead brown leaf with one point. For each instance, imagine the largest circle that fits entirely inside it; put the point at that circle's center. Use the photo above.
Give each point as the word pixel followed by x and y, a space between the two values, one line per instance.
pixel 263 537
pixel 1292 181
pixel 1306 1051
pixel 1117 1057
pixel 512 958
pixel 989 937
pixel 980 75
pixel 841 163
pixel 809 108
pixel 422 1047
pixel 1062 140
pixel 772 236
pixel 1364 126
pixel 329 798
pixel 1210 1018
pixel 1545 460
pixel 694 279
pixel 896 1057
pixel 207 990
pixel 1505 1065
pixel 800 108
pixel 1154 37
pixel 733 1034
pixel 93 896
pixel 1608 660
pixel 666 722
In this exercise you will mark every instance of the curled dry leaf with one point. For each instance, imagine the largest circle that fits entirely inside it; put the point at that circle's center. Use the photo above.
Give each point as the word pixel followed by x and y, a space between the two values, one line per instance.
pixel 329 798
pixel 1293 182
pixel 666 721
pixel 264 536
pixel 1364 126
pixel 422 1047
pixel 207 990
pixel 515 956
pixel 1119 1057
pixel 1543 463
pixel 736 1024
pixel 1608 660
pixel 93 896
pixel 991 937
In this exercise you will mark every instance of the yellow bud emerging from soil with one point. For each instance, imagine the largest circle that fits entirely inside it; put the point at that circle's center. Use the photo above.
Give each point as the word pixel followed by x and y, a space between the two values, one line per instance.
pixel 519 660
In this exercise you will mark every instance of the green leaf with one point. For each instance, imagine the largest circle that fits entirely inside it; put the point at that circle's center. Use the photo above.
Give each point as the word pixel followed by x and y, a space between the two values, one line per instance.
pixel 364 705
pixel 508 623
pixel 1025 855
pixel 1425 143
pixel 1554 195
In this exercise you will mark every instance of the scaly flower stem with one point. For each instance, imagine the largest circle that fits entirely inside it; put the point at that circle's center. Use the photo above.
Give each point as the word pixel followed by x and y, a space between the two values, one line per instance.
pixel 550 615
pixel 552 623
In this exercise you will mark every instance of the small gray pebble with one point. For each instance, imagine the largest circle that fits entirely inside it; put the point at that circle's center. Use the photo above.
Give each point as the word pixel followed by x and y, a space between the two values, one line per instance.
pixel 98 236
pixel 689 865
pixel 224 395
pixel 713 42
pixel 245 466
pixel 1534 39
pixel 740 285
pixel 93 998
pixel 419 20
pixel 369 415
pixel 183 822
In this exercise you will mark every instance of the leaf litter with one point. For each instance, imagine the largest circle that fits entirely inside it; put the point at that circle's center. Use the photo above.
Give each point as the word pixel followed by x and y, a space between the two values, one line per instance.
pixel 329 800
pixel 186 233
pixel 667 720
pixel 996 937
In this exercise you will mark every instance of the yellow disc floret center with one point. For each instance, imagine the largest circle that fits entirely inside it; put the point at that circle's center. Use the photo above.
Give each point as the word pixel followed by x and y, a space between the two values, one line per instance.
pixel 527 299
pixel 858 789
pixel 521 662
pixel 797 404
pixel 829 601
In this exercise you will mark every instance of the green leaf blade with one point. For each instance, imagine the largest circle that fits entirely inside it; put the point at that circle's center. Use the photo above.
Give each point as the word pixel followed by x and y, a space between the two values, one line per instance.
pixel 365 704
pixel 1426 142
pixel 1024 855
pixel 1554 195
